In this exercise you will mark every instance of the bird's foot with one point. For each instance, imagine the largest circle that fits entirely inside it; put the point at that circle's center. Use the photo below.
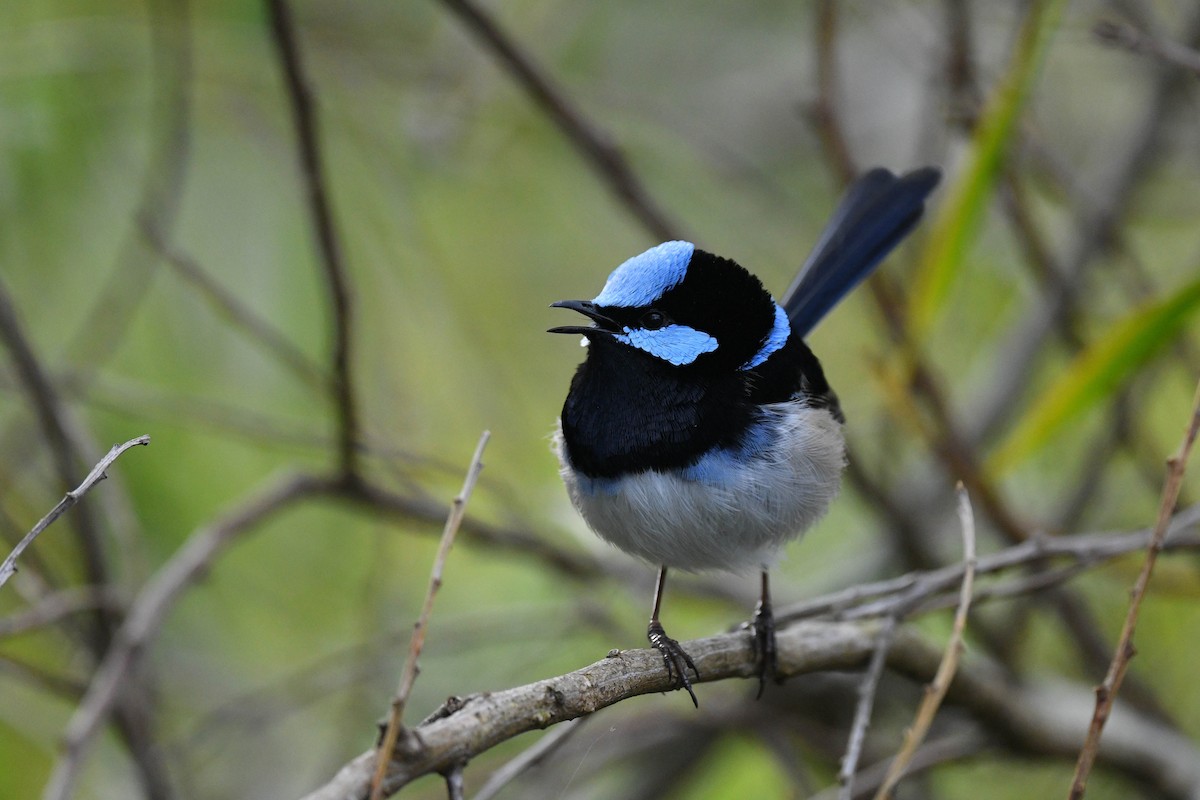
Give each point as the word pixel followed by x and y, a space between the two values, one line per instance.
pixel 677 661
pixel 762 627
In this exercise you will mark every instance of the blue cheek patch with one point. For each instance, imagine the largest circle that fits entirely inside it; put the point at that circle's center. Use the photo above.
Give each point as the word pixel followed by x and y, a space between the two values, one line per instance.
pixel 675 344
pixel 643 279
pixel 778 337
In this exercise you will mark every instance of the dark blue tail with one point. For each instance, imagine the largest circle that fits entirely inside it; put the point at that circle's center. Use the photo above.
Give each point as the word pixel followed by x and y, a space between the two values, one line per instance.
pixel 876 212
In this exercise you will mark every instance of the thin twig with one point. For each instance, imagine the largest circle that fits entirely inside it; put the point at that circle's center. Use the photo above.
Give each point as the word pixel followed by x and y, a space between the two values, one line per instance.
pixel 52 419
pixel 304 119
pixel 53 608
pixel 825 108
pixel 458 509
pixel 237 313
pixel 936 691
pixel 882 597
pixel 949 748
pixel 867 689
pixel 528 759
pixel 1107 691
pixel 593 143
pixel 1047 719
pixel 1123 34
pixel 71 498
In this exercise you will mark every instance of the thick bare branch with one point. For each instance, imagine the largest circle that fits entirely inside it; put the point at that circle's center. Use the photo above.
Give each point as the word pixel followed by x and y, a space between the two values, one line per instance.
pixel 466 727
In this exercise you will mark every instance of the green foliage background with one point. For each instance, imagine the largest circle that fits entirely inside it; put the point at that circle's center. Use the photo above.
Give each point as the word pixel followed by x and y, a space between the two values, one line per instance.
pixel 463 212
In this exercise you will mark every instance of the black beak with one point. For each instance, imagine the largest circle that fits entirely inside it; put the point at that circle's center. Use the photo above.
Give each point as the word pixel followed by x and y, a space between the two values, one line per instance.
pixel 589 310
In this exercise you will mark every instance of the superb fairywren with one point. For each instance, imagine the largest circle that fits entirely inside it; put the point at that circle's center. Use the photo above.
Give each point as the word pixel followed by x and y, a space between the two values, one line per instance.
pixel 700 432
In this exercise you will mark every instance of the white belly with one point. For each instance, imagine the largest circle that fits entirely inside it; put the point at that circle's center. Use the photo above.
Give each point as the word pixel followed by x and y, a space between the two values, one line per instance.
pixel 725 513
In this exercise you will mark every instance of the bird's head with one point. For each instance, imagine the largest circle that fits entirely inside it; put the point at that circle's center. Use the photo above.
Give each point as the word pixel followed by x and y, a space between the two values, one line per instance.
pixel 685 307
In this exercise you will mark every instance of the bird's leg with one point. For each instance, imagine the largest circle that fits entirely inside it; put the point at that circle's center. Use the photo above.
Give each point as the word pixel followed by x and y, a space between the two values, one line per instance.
pixel 763 627
pixel 678 662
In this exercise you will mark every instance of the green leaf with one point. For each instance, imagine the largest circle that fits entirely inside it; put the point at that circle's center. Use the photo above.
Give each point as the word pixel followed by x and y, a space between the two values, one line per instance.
pixel 1096 373
pixel 962 210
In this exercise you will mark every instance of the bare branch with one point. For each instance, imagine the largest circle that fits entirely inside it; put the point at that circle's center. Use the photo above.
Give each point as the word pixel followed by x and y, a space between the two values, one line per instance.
pixel 882 597
pixel 825 109
pixel 594 145
pixel 530 758
pixel 304 119
pixel 54 607
pixel 1047 720
pixel 1123 34
pixel 457 509
pixel 232 309
pixel 51 416
pixel 936 691
pixel 71 498
pixel 950 748
pixel 465 727
pixel 1106 693
pixel 867 689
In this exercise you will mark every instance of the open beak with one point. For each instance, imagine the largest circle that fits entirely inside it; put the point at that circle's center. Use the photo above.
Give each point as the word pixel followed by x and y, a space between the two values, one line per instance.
pixel 589 310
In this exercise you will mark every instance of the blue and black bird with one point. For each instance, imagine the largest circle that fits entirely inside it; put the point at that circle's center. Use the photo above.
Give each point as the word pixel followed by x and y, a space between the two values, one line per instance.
pixel 700 433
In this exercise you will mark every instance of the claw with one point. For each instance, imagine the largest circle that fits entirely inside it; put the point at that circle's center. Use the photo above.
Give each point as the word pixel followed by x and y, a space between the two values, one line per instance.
pixel 677 661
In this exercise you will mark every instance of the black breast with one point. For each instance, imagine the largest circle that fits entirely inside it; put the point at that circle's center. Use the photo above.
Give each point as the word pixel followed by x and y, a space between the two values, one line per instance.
pixel 630 412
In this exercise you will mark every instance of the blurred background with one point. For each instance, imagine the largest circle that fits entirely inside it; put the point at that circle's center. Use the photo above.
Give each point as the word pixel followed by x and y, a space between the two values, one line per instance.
pixel 164 270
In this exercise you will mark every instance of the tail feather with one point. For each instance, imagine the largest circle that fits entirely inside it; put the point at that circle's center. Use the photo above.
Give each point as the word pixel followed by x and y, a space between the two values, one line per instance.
pixel 876 213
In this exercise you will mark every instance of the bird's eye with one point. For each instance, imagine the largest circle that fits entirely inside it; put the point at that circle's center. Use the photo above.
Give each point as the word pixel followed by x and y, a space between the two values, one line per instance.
pixel 653 320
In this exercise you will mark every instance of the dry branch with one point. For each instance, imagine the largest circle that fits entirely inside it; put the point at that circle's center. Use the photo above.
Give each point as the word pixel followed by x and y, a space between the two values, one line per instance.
pixel 72 497
pixel 1106 693
pixel 593 144
pixel 935 692
pixel 409 675
pixel 867 689
pixel 304 120
pixel 466 727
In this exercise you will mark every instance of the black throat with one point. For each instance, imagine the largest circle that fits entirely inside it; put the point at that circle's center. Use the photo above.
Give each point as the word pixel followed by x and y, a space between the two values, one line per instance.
pixel 630 412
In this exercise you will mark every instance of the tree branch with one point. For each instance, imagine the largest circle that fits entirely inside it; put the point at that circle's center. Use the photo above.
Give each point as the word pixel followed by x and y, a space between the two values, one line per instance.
pixel 1106 693
pixel 71 498
pixel 935 692
pixel 304 120
pixel 409 675
pixel 594 145
pixel 464 728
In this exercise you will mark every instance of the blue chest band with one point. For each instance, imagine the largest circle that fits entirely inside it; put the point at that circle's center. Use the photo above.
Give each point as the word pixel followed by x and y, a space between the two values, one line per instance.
pixel 643 279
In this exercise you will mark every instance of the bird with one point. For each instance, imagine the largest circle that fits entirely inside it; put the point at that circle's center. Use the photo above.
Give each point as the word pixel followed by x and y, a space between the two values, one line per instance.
pixel 700 433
